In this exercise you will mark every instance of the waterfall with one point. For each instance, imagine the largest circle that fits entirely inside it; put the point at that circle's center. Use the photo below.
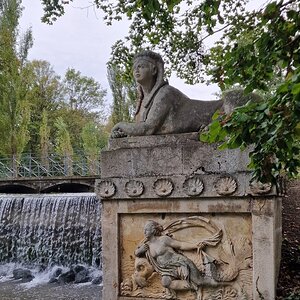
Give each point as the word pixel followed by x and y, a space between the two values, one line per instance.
pixel 48 230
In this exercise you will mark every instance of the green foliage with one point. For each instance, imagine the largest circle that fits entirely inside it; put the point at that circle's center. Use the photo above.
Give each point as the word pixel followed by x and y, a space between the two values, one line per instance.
pixel 14 102
pixel 272 127
pixel 76 99
pixel 82 92
pixel 257 49
pixel 44 135
pixel 45 92
pixel 35 101
pixel 53 10
pixel 90 139
pixel 124 96
pixel 63 145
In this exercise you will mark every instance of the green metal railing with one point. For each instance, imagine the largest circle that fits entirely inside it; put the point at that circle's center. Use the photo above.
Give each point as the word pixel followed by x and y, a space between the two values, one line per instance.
pixel 28 166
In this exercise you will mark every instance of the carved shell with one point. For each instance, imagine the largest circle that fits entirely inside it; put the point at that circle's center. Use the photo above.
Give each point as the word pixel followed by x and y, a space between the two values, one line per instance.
pixel 134 188
pixel 226 186
pixel 106 188
pixel 163 187
pixel 193 186
pixel 260 188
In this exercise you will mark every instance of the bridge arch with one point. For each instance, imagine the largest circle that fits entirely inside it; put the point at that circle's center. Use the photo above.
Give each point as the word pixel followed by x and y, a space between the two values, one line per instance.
pixel 67 187
pixel 17 188
pixel 47 185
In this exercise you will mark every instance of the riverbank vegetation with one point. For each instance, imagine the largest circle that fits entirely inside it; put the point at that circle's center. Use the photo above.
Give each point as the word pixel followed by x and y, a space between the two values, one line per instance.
pixel 42 113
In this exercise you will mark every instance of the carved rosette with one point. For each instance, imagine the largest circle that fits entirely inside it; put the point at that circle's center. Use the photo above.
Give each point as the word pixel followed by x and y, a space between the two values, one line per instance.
pixel 226 186
pixel 106 188
pixel 163 187
pixel 134 188
pixel 259 188
pixel 193 186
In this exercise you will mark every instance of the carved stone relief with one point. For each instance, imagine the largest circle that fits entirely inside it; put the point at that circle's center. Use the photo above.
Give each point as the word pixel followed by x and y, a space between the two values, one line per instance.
pixel 226 186
pixel 134 188
pixel 189 258
pixel 184 187
pixel 163 187
pixel 106 188
pixel 193 186
pixel 259 188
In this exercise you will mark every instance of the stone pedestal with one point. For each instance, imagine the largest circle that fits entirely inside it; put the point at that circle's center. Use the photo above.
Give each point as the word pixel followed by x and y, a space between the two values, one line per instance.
pixel 201 196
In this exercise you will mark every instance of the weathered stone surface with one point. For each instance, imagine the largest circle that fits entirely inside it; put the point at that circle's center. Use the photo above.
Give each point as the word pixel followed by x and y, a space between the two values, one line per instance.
pixel 177 158
pixel 23 274
pixel 184 183
pixel 81 274
pixel 163 109
pixel 66 277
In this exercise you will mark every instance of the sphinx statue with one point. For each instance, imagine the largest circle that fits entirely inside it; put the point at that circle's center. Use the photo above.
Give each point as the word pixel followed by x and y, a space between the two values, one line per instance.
pixel 163 109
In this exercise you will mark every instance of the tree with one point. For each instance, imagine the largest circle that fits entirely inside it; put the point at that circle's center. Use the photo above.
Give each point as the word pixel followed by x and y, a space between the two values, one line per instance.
pixel 255 48
pixel 124 96
pixel 75 98
pixel 45 94
pixel 44 139
pixel 82 102
pixel 92 144
pixel 14 86
pixel 82 92
pixel 63 145
pixel 75 121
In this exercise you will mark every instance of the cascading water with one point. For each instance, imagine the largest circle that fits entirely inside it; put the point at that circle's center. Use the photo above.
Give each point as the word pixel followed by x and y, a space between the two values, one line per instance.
pixel 50 239
pixel 47 230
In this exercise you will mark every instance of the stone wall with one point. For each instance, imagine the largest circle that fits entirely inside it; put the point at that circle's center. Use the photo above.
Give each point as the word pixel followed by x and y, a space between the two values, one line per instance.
pixel 212 220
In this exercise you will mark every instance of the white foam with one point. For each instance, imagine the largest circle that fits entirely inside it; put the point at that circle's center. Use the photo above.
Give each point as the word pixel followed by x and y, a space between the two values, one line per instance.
pixel 42 277
pixel 6 271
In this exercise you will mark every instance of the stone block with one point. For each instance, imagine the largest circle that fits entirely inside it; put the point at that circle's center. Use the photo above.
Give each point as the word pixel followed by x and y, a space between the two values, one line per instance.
pixel 213 234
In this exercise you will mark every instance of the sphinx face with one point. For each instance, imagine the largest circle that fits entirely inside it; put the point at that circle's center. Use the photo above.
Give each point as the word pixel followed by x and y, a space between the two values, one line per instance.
pixel 143 71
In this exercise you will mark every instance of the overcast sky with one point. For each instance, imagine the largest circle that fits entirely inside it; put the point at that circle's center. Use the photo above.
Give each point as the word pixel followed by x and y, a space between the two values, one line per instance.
pixel 81 40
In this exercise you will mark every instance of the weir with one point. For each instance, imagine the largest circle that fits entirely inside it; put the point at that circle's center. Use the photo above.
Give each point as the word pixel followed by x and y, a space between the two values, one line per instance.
pixel 47 230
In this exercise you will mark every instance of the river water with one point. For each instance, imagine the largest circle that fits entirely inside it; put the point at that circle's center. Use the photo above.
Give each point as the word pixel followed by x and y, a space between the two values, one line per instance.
pixel 13 290
pixel 44 232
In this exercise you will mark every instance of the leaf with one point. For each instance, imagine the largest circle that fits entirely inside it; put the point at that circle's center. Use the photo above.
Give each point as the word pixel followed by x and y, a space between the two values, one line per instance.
pixel 297 130
pixel 296 89
pixel 283 88
pixel 216 115
pixel 270 10
pixel 262 107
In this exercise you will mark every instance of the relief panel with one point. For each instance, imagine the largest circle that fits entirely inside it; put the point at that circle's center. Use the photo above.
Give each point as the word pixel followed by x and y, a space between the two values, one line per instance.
pixel 186 256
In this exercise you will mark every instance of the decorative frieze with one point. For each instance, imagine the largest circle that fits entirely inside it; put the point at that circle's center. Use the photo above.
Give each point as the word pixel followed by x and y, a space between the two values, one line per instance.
pixel 226 186
pixel 163 187
pixel 259 188
pixel 201 186
pixel 193 186
pixel 105 188
pixel 134 188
